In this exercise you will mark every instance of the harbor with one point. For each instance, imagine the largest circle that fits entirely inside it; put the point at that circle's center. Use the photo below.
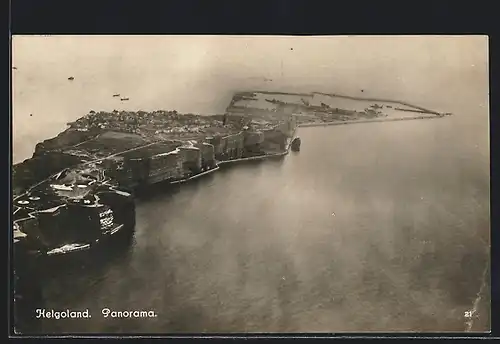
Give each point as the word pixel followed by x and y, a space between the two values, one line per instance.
pixel 370 121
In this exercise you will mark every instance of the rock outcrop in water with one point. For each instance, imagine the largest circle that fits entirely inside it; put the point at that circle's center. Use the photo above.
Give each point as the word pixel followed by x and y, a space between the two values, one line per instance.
pixel 296 144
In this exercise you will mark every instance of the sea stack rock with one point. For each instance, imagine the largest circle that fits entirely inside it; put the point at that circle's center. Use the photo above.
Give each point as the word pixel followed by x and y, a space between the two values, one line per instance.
pixel 296 144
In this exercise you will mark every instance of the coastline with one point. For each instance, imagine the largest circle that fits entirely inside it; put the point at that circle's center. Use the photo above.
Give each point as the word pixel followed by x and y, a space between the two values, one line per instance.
pixel 420 113
pixel 219 164
pixel 182 181
pixel 260 157
pixel 228 162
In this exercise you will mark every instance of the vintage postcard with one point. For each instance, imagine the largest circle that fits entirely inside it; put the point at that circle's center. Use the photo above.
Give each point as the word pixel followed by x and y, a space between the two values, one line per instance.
pixel 250 184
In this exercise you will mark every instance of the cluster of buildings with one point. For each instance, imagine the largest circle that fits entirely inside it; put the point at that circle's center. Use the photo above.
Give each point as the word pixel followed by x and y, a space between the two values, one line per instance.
pixel 147 124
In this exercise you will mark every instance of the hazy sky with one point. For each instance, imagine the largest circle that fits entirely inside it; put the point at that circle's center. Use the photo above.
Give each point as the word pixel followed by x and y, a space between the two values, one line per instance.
pixel 356 60
pixel 199 73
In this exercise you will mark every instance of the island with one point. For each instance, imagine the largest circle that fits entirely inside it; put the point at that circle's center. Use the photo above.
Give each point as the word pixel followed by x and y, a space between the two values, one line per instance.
pixel 140 148
pixel 137 148
pixel 94 167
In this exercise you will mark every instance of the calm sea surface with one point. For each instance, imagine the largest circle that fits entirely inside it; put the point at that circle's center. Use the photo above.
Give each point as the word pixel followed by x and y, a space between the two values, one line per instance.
pixel 371 227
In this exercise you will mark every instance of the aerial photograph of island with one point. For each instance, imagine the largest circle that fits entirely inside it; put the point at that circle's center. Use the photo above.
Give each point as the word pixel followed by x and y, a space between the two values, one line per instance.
pixel 250 184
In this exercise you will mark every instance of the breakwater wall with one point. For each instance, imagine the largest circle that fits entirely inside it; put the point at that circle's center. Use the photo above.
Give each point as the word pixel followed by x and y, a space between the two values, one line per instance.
pixel 368 121
pixel 285 93
pixel 381 100
pixel 414 110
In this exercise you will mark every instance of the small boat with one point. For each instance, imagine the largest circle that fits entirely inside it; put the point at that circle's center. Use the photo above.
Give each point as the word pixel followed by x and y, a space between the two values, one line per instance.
pixel 296 144
pixel 71 78
pixel 116 95
pixel 122 99
pixel 14 67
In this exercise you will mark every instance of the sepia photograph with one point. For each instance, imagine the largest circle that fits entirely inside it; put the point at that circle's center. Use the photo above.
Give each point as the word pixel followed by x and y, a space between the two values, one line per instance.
pixel 238 184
